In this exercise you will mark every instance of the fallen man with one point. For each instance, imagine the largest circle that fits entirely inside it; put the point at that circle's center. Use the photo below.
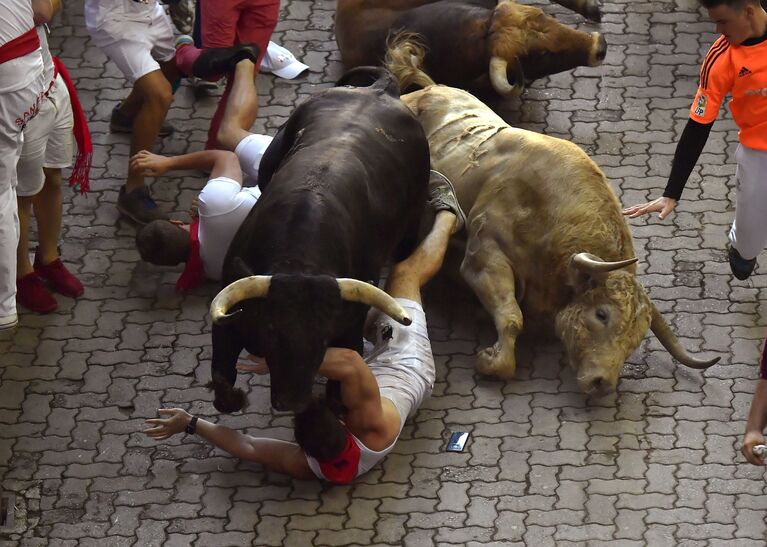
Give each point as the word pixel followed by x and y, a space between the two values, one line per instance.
pixel 223 202
pixel 379 393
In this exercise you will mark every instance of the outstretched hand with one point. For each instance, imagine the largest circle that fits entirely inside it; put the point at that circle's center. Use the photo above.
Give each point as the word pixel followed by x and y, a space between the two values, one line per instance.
pixel 663 204
pixel 175 421
pixel 257 364
pixel 148 164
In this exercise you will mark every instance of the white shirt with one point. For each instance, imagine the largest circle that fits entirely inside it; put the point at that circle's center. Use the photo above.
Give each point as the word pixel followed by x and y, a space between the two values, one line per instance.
pixel 48 70
pixel 97 12
pixel 17 18
pixel 224 204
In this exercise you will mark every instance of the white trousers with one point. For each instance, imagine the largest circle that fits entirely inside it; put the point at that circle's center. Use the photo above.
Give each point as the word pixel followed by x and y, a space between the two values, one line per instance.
pixel 748 233
pixel 16 108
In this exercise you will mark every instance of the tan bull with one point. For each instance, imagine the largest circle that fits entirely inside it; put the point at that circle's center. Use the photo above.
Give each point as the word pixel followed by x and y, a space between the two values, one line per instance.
pixel 546 241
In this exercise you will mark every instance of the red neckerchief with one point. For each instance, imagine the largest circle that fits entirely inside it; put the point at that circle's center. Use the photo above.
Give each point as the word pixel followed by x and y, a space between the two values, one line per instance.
pixel 80 177
pixel 193 272
pixel 20 46
pixel 343 468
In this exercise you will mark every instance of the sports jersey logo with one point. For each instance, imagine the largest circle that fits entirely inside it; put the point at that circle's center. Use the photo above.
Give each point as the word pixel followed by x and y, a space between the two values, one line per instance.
pixel 753 92
pixel 744 72
pixel 700 107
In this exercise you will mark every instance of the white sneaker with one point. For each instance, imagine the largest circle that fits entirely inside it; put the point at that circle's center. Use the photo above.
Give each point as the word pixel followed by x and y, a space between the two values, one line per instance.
pixel 9 323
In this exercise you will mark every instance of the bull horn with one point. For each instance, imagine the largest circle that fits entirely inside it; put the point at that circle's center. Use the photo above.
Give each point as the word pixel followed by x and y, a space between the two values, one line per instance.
pixel 590 264
pixel 669 341
pixel 354 290
pixel 500 79
pixel 254 286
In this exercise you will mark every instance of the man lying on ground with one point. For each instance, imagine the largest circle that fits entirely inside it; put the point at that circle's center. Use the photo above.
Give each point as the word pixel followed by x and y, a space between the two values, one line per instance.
pixel 223 202
pixel 379 393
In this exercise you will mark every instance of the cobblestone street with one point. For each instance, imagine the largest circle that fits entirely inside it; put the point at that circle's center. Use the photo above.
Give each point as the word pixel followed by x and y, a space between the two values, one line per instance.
pixel 657 463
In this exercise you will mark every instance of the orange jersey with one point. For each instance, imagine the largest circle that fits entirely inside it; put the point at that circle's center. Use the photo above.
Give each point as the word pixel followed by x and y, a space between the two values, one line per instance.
pixel 742 72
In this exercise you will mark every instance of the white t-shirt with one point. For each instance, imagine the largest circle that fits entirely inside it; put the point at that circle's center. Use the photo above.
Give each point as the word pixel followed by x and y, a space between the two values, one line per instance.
pixel 97 12
pixel 224 204
pixel 17 18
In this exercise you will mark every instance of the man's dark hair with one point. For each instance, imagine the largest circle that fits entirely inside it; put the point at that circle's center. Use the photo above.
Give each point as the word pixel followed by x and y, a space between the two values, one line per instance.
pixel 736 4
pixel 319 432
pixel 162 243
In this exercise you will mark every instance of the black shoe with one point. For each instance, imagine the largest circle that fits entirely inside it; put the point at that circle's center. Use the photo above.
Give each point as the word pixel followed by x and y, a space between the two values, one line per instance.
pixel 139 206
pixel 120 123
pixel 741 267
pixel 214 62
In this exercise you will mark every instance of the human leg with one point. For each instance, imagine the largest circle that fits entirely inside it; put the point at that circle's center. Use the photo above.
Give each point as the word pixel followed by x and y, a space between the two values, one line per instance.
pixel 748 234
pixel 48 264
pixel 241 108
pixel 407 277
pixel 155 97
pixel 225 25
pixel 31 291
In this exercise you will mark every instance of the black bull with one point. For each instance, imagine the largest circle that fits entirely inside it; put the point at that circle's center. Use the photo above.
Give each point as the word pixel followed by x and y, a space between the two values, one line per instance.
pixel 344 184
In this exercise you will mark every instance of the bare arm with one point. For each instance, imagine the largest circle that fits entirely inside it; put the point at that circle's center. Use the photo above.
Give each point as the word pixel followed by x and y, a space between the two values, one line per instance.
pixel 366 416
pixel 282 456
pixel 220 163
pixel 757 420
pixel 358 385
pixel 43 10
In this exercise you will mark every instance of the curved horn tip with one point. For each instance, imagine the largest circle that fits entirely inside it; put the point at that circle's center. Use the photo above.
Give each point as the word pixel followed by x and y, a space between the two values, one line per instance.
pixel 227 318
pixel 703 365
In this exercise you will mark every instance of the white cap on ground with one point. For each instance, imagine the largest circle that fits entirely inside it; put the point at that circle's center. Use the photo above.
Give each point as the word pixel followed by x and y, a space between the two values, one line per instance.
pixel 281 62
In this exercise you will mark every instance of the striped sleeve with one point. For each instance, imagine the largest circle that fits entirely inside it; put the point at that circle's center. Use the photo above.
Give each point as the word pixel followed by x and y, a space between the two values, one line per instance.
pixel 716 81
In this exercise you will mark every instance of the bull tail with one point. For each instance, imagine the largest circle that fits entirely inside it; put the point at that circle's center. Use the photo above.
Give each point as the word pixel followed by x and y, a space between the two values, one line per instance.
pixel 373 77
pixel 404 58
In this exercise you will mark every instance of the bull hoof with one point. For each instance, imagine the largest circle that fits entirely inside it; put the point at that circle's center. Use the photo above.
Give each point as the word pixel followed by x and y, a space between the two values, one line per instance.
pixel 494 361
pixel 592 11
pixel 227 399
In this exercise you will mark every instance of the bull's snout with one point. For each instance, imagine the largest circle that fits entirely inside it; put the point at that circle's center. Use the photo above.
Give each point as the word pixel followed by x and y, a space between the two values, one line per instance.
pixel 598 50
pixel 596 386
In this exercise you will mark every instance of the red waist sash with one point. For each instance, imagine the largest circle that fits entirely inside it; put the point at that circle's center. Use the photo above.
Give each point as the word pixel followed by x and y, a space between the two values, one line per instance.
pixel 18 47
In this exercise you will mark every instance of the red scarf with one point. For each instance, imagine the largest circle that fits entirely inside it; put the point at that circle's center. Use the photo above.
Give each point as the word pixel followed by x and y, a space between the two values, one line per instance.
pixel 193 272
pixel 80 177
pixel 20 46
pixel 343 468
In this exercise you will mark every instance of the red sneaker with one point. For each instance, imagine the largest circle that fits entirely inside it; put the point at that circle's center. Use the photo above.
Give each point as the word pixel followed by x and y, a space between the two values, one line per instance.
pixel 59 277
pixel 32 293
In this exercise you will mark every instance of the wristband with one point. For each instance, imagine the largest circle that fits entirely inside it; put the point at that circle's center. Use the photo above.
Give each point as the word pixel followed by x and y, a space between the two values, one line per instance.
pixel 191 427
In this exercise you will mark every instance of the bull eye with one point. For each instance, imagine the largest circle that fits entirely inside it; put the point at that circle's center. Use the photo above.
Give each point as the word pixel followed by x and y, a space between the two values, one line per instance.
pixel 602 315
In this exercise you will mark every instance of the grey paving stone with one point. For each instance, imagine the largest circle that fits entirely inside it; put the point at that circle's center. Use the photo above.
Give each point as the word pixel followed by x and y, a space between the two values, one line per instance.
pixel 657 464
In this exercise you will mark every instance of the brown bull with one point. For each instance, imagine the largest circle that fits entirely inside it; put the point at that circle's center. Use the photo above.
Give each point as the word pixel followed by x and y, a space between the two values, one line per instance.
pixel 546 238
pixel 468 40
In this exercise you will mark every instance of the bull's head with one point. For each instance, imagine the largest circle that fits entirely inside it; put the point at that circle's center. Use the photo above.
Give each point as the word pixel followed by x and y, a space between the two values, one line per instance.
pixel 606 321
pixel 299 319
pixel 533 44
